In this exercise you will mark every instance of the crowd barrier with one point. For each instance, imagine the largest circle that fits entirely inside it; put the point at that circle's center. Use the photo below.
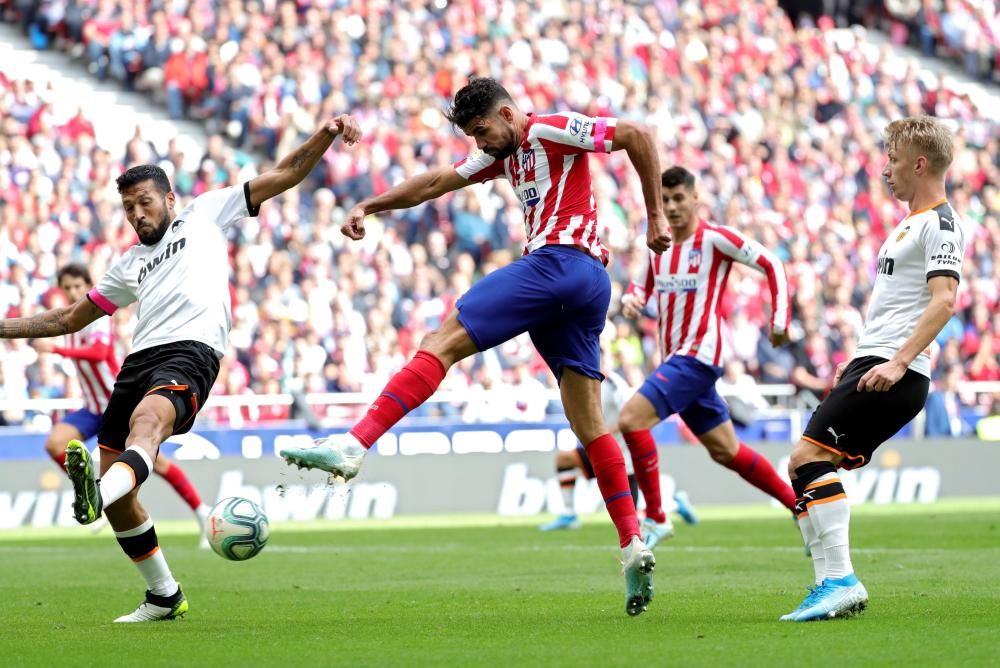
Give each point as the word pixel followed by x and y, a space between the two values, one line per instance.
pixel 505 469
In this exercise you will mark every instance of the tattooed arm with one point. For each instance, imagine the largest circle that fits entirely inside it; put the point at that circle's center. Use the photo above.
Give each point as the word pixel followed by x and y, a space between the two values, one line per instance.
pixel 294 168
pixel 52 322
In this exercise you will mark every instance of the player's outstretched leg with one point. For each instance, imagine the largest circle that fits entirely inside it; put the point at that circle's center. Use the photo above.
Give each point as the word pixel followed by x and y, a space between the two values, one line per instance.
pixel 638 564
pixel 685 508
pixel 87 503
pixel 656 526
pixel 636 418
pixel 566 472
pixel 164 597
pixel 813 547
pixel 342 455
pixel 726 449
pixel 841 594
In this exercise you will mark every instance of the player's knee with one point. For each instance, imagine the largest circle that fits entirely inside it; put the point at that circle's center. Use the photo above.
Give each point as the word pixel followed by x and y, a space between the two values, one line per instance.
pixel 147 423
pixel 799 457
pixel 439 344
pixel 721 454
pixel 628 420
pixel 54 446
pixel 565 459
pixel 161 465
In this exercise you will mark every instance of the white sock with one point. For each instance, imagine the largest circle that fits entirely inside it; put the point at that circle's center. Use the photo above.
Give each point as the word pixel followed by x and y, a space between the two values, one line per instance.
pixel 121 478
pixel 153 567
pixel 567 494
pixel 810 538
pixel 830 517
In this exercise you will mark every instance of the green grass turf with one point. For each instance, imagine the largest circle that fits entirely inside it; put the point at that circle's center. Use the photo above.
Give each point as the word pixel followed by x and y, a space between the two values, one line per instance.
pixel 469 591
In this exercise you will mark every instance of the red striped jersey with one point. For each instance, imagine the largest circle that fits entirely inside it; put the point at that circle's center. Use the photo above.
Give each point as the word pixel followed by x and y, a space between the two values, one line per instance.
pixel 93 353
pixel 688 281
pixel 551 177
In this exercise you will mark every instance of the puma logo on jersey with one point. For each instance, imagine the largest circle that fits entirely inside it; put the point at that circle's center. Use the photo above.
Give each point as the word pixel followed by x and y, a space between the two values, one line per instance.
pixel 172 249
pixel 836 436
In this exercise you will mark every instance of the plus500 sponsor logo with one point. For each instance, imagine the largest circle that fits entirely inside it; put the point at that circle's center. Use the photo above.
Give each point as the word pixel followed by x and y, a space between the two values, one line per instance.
pixel 677 283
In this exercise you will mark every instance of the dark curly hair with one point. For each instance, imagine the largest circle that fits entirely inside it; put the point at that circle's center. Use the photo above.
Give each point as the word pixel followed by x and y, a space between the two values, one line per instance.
pixel 676 176
pixel 477 98
pixel 74 270
pixel 141 173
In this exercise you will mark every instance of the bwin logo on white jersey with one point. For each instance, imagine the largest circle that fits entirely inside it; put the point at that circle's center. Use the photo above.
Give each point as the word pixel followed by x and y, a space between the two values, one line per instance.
pixel 172 249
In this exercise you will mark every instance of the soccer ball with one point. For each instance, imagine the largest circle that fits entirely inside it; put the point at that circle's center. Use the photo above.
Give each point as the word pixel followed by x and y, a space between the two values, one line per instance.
pixel 237 529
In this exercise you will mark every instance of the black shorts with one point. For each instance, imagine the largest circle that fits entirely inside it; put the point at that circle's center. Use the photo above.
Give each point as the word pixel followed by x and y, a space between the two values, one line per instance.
pixel 183 372
pixel 854 424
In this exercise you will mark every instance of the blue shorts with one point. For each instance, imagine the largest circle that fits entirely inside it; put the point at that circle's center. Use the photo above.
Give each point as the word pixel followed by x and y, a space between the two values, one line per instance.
pixel 558 294
pixel 86 422
pixel 686 386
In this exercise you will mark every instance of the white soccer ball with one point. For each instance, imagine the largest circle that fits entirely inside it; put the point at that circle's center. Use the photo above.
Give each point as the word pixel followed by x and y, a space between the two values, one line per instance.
pixel 237 528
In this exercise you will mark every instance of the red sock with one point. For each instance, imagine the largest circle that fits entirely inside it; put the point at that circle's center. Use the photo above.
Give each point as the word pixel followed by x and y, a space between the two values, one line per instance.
pixel 757 471
pixel 177 479
pixel 59 458
pixel 609 469
pixel 406 390
pixel 646 463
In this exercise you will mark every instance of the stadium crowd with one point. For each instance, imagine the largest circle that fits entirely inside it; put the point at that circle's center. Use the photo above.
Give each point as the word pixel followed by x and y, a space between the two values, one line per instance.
pixel 781 124
pixel 964 30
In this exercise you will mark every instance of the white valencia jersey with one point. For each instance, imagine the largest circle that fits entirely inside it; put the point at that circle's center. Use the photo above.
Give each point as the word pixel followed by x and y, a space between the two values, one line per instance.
pixel 927 243
pixel 181 283
pixel 688 281
pixel 96 376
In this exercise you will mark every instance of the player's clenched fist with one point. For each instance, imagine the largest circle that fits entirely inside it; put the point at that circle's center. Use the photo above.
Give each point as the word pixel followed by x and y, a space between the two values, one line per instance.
pixel 344 125
pixel 631 308
pixel 658 234
pixel 354 226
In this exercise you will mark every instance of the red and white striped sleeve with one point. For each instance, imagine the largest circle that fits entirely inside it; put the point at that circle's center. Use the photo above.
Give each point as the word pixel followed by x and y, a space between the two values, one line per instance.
pixel 575 132
pixel 480 167
pixel 753 254
pixel 641 286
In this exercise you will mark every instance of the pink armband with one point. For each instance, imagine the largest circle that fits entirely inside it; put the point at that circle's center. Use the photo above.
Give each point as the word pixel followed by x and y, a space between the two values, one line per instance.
pixel 101 302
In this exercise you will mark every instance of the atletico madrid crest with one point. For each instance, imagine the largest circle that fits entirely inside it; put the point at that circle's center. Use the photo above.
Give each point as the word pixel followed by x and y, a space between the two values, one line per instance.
pixel 694 258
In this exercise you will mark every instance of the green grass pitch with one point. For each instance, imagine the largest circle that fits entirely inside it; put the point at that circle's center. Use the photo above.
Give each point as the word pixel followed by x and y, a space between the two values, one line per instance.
pixel 465 591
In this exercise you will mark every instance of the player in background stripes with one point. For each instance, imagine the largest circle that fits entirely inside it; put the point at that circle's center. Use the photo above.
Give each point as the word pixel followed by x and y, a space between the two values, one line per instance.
pixel 688 282
pixel 93 354
pixel 615 393
pixel 558 292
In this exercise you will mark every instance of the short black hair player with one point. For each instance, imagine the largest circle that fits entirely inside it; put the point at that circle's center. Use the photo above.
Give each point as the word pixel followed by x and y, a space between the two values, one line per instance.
pixel 179 275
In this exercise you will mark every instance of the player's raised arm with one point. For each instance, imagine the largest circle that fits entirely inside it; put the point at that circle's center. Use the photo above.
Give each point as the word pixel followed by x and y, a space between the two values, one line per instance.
pixel 294 168
pixel 411 192
pixel 754 255
pixel 54 322
pixel 637 141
